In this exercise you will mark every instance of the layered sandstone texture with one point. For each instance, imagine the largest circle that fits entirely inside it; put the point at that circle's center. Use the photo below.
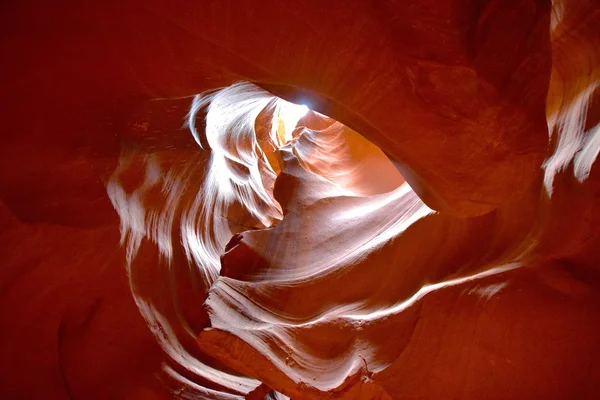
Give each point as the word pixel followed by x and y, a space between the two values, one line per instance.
pixel 219 199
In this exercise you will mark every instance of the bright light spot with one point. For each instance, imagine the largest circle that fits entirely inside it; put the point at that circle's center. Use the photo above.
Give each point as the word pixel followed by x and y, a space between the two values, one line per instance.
pixel 289 115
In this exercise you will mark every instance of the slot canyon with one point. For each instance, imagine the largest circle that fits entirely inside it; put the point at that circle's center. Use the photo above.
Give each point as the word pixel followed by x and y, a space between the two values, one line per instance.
pixel 260 199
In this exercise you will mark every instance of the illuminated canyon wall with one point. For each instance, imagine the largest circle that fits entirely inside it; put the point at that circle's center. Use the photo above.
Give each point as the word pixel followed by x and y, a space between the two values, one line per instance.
pixel 269 200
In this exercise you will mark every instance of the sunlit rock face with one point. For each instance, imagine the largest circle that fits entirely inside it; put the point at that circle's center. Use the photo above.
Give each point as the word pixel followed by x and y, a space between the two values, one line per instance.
pixel 357 200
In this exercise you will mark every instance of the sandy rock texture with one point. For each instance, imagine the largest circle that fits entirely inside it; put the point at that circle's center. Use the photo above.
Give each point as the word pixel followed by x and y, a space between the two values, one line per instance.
pixel 248 199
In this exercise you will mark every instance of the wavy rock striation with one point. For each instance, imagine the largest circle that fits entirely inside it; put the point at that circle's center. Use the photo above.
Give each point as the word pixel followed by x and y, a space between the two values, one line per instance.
pixel 427 230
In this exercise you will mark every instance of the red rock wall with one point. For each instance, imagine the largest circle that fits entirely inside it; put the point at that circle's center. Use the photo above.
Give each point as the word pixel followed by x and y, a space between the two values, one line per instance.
pixel 482 283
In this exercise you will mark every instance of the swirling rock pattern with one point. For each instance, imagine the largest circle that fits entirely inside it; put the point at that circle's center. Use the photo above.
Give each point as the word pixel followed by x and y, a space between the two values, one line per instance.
pixel 428 229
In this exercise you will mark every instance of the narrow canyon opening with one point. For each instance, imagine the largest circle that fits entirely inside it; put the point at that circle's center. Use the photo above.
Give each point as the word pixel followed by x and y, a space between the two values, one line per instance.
pixel 425 228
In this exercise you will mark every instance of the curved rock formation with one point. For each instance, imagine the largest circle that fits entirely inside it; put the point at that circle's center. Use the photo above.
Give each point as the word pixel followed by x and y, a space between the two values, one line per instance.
pixel 428 229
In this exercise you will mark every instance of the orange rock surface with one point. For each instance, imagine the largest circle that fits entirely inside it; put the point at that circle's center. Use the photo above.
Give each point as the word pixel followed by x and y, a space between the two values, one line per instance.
pixel 429 229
